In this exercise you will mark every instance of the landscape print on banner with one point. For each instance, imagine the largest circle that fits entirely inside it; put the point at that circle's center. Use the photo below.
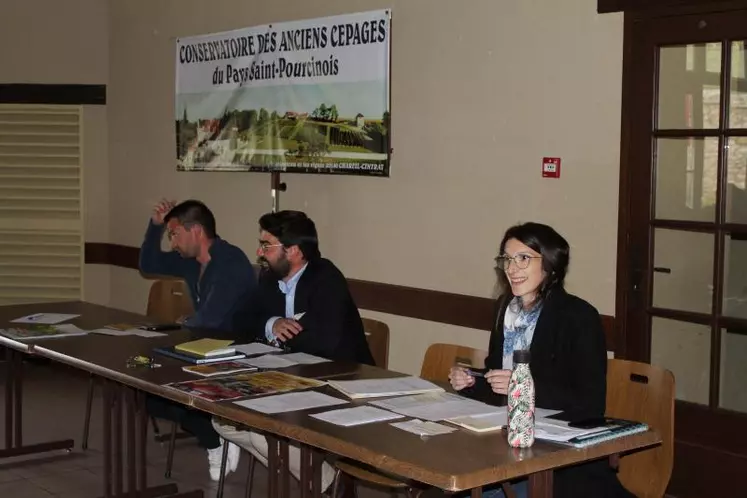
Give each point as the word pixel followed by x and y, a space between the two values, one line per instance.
pixel 306 96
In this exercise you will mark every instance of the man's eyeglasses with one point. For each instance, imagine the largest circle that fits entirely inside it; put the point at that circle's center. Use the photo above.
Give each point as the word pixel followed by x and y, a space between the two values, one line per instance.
pixel 520 260
pixel 263 246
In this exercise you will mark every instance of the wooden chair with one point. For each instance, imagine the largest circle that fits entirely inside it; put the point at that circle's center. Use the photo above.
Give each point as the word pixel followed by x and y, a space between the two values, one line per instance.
pixel 644 393
pixel 168 300
pixel 377 335
pixel 438 360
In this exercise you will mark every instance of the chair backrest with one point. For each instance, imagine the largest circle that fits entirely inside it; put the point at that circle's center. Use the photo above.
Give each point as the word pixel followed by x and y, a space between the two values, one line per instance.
pixel 439 358
pixel 168 300
pixel 644 393
pixel 377 335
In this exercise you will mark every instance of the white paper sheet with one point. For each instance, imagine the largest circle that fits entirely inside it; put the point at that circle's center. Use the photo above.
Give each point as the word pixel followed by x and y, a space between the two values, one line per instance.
pixel 44 318
pixel 498 418
pixel 116 333
pixel 304 359
pixel 369 388
pixel 290 402
pixel 255 348
pixel 422 428
pixel 436 406
pixel 359 415
pixel 268 361
pixel 148 333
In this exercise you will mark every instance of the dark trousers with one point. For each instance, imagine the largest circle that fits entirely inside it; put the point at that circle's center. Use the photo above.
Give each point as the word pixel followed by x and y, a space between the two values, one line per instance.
pixel 193 421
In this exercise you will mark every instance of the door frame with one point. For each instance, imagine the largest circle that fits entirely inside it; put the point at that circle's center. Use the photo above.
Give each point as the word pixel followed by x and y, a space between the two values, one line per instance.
pixel 710 444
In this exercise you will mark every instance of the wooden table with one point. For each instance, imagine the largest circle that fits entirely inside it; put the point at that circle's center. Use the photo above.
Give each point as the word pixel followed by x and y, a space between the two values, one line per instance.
pixel 14 353
pixel 458 461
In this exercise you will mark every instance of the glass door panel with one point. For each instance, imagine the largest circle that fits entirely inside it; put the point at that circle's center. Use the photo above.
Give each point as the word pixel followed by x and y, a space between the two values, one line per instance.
pixel 686 171
pixel 732 394
pixel 689 90
pixel 683 270
pixel 684 348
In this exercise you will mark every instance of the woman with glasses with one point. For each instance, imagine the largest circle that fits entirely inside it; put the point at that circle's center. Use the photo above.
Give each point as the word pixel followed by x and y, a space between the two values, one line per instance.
pixel 565 337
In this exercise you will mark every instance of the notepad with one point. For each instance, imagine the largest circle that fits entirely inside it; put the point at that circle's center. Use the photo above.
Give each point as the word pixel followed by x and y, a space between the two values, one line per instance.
pixel 559 432
pixel 206 347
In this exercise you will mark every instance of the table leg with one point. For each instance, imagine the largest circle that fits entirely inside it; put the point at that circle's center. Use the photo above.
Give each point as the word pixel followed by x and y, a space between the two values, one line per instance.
pixel 306 472
pixel 14 413
pixel 540 484
pixel 476 492
pixel 272 466
pixel 133 436
pixel 284 469
pixel 317 459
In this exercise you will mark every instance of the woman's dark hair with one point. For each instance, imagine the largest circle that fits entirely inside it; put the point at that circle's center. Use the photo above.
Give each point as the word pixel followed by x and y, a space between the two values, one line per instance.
pixel 293 228
pixel 547 242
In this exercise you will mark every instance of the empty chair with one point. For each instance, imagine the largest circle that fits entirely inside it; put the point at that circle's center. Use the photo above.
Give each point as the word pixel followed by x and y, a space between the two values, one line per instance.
pixel 377 335
pixel 644 393
pixel 168 300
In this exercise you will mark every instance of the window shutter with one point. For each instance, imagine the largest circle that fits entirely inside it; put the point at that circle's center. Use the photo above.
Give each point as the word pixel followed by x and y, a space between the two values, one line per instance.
pixel 41 229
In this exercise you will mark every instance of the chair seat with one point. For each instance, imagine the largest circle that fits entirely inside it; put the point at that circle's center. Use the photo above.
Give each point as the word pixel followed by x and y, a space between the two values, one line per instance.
pixel 371 475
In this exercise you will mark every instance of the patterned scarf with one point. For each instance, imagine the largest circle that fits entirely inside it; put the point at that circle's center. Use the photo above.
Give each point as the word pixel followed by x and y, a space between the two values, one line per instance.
pixel 518 326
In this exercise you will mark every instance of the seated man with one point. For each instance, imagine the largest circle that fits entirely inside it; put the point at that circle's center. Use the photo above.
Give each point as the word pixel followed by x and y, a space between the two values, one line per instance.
pixel 304 303
pixel 221 281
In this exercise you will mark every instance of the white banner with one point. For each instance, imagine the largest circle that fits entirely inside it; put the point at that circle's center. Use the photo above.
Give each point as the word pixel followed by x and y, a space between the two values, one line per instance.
pixel 301 96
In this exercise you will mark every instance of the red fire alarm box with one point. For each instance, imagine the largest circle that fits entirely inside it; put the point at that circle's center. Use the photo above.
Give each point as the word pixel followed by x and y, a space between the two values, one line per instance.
pixel 550 167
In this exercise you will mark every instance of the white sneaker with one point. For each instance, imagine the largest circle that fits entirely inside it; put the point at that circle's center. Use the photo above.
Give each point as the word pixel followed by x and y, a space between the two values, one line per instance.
pixel 214 457
pixel 234 453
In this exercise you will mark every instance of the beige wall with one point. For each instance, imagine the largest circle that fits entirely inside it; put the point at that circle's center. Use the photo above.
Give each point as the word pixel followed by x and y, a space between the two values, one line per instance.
pixel 50 41
pixel 53 41
pixel 479 96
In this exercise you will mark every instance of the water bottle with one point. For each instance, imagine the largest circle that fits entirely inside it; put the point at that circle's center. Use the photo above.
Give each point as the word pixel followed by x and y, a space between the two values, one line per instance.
pixel 521 402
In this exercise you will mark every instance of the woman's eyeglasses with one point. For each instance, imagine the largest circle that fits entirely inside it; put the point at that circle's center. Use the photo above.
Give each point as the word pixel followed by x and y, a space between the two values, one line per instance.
pixel 520 260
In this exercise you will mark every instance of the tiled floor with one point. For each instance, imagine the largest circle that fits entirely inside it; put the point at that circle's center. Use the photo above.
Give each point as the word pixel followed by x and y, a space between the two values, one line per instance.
pixel 54 404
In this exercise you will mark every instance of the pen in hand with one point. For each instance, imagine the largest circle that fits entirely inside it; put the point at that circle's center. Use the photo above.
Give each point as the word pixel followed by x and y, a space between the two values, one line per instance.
pixel 473 373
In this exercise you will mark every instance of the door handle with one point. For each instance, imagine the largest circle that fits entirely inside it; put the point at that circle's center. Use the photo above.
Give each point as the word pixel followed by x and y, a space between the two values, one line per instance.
pixel 661 269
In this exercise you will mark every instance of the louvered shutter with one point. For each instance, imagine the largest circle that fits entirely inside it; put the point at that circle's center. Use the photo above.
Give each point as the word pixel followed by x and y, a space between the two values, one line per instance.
pixel 41 230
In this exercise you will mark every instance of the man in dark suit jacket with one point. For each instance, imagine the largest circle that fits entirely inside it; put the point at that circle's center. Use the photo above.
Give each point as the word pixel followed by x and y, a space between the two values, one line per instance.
pixel 303 301
pixel 303 304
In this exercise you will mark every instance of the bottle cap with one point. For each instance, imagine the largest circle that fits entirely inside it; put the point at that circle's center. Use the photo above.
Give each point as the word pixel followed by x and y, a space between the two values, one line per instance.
pixel 521 356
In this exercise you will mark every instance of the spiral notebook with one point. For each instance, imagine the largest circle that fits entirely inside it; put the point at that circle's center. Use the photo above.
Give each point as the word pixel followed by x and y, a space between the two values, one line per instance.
pixel 612 428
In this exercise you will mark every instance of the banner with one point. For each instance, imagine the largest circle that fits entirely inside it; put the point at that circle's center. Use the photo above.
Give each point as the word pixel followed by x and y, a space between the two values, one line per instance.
pixel 307 96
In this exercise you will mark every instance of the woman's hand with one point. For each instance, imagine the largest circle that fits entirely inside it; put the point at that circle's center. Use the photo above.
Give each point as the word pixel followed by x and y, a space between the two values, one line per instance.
pixel 498 380
pixel 460 379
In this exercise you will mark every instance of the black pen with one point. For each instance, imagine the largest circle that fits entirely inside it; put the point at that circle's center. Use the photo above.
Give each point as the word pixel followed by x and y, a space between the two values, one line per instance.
pixel 473 373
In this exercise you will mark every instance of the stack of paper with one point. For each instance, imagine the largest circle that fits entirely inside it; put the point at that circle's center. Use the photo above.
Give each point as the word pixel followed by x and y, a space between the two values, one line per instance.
pixel 304 359
pixel 349 417
pixel 268 361
pixel 494 421
pixel 374 388
pixel 436 406
pixel 42 332
pixel 422 428
pixel 290 402
pixel 44 318
pixel 256 348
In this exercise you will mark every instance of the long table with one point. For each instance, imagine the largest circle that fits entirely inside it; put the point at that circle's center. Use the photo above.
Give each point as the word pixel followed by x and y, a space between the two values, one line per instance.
pixel 453 462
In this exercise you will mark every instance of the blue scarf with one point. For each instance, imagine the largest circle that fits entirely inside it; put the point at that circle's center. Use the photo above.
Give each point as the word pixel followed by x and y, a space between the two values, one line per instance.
pixel 518 326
